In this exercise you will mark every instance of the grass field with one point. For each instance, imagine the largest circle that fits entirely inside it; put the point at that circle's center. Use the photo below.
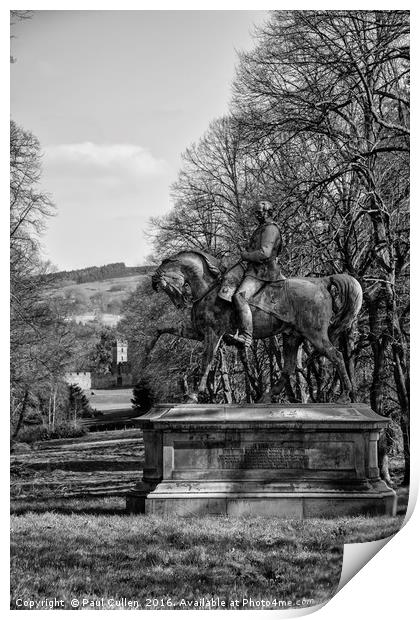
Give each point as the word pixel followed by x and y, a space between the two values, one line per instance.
pixel 112 289
pixel 115 286
pixel 72 538
pixel 104 400
pixel 96 551
pixel 100 300
pixel 101 463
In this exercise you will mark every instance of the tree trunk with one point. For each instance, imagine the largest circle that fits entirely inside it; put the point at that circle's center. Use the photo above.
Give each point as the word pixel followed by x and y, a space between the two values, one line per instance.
pixel 54 406
pixel 401 383
pixel 21 415
pixel 211 385
pixel 49 410
pixel 379 344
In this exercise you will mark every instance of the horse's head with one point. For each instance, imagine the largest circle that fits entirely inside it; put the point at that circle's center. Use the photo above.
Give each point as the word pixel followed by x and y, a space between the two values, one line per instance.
pixel 187 276
pixel 170 278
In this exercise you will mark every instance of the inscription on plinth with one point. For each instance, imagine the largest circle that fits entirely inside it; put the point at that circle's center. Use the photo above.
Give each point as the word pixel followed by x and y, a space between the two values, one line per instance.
pixel 263 456
pixel 258 455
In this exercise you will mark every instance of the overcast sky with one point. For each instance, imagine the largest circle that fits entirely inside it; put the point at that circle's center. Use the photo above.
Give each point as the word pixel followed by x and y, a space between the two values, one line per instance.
pixel 114 98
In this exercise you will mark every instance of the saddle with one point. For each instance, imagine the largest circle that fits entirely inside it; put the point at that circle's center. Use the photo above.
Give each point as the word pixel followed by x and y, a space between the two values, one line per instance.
pixel 234 276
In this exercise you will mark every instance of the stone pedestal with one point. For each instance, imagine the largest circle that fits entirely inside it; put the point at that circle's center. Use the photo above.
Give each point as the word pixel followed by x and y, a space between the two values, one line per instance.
pixel 292 461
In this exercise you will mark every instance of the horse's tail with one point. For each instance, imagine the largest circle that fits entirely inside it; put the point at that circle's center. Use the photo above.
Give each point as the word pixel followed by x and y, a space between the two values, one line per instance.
pixel 351 297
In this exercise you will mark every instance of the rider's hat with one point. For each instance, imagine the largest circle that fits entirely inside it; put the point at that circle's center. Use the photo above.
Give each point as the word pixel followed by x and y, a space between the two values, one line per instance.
pixel 265 199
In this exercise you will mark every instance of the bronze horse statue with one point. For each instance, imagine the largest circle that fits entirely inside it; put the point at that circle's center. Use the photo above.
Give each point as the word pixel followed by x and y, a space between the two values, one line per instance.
pixel 297 307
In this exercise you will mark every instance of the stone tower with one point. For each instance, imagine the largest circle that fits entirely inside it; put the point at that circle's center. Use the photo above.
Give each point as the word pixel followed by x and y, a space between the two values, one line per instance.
pixel 119 352
pixel 120 360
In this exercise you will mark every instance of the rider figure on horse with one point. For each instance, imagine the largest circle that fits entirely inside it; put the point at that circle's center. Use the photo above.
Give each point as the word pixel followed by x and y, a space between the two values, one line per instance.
pixel 260 267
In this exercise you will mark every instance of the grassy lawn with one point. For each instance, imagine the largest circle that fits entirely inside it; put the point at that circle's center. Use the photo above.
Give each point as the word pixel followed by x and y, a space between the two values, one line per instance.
pixel 110 399
pixel 102 462
pixel 72 538
pixel 90 549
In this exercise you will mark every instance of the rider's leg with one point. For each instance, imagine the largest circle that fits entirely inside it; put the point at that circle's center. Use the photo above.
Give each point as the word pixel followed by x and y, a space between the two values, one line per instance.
pixel 247 289
pixel 231 280
pixel 245 319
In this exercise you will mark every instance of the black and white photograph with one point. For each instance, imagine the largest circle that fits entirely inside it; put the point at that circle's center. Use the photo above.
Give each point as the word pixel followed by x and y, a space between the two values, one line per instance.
pixel 209 304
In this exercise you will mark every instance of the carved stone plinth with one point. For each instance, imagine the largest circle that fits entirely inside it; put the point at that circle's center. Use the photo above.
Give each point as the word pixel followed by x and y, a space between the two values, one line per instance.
pixel 275 460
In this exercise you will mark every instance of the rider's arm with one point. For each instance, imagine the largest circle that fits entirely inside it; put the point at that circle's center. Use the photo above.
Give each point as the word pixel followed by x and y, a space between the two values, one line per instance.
pixel 268 239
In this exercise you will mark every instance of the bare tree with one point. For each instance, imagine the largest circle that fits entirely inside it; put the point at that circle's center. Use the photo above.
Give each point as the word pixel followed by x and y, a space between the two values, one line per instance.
pixel 334 84
pixel 41 344
pixel 16 16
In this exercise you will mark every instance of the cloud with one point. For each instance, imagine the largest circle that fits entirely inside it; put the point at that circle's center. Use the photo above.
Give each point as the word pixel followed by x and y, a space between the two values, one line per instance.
pixel 98 160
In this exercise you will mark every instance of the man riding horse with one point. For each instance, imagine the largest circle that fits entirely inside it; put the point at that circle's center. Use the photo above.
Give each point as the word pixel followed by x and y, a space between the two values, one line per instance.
pixel 298 308
pixel 261 258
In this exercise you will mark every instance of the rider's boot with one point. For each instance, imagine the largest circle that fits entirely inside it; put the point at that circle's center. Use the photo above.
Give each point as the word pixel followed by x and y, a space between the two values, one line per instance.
pixel 244 337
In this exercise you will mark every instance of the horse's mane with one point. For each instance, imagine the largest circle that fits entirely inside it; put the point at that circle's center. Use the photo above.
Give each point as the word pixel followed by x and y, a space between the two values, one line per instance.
pixel 213 264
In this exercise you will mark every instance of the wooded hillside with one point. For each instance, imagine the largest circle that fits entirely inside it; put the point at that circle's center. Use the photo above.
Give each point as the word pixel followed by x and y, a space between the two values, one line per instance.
pixel 105 272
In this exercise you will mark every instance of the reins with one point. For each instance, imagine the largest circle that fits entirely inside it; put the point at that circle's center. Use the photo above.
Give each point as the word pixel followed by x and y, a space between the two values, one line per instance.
pixel 209 290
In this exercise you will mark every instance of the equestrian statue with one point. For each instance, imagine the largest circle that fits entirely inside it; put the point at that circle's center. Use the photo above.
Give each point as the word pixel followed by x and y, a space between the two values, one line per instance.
pixel 253 300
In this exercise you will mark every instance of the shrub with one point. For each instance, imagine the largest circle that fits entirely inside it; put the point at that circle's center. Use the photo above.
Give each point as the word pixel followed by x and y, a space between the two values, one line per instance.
pixel 115 287
pixel 29 434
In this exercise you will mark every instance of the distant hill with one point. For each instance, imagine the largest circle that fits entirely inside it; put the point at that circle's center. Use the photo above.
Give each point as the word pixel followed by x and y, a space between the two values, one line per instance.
pixel 98 274
pixel 96 293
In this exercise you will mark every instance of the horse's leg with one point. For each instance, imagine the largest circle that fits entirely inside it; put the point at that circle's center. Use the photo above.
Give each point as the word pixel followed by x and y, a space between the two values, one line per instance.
pixel 211 344
pixel 243 353
pixel 225 376
pixel 291 344
pixel 323 344
pixel 183 329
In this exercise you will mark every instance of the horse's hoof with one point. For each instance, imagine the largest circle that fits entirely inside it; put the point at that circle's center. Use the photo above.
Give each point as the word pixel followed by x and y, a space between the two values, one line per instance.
pixel 192 398
pixel 344 399
pixel 391 483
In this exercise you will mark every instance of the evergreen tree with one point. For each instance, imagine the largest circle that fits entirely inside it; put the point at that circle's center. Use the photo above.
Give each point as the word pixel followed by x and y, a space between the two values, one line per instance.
pixel 78 406
pixel 143 397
